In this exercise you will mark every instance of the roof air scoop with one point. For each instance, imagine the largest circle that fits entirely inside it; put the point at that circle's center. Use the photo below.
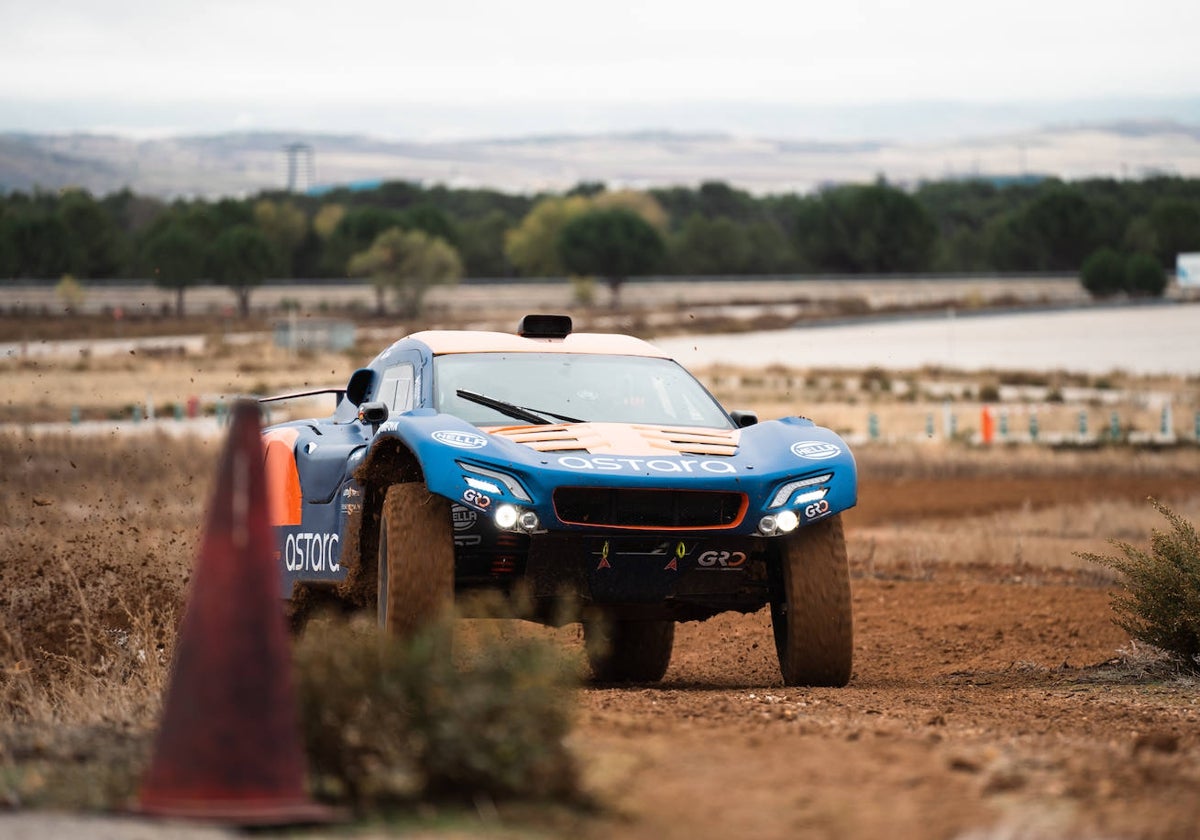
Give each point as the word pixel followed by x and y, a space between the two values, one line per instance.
pixel 545 326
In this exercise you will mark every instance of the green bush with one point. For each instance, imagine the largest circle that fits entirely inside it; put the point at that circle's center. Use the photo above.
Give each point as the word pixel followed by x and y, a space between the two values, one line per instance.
pixel 1144 277
pixel 387 721
pixel 1160 600
pixel 1103 273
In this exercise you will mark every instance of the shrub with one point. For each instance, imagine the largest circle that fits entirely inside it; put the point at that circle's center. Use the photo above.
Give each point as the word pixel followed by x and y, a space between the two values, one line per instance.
pixel 1144 277
pixel 386 720
pixel 1160 600
pixel 1103 273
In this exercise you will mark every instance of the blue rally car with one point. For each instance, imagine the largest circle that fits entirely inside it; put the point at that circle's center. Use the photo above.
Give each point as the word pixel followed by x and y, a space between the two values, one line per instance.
pixel 586 469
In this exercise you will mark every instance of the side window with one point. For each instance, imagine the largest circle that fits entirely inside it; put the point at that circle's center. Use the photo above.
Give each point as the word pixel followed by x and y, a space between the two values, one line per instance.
pixel 396 389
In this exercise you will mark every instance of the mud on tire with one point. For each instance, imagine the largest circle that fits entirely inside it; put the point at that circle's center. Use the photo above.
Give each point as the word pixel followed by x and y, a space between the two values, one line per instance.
pixel 628 651
pixel 812 613
pixel 416 559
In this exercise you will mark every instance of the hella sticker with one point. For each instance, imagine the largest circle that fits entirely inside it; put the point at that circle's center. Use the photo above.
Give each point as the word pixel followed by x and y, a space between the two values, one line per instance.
pixel 460 440
pixel 464 518
pixel 816 450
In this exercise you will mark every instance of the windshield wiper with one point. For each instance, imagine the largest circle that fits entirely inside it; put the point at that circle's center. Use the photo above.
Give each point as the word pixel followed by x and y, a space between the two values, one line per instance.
pixel 517 412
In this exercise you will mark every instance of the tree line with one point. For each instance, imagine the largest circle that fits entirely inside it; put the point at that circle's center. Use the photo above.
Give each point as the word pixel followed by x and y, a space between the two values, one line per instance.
pixel 1034 225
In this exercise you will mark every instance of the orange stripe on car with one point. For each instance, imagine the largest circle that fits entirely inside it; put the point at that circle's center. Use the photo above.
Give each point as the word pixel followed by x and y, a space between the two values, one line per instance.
pixel 283 481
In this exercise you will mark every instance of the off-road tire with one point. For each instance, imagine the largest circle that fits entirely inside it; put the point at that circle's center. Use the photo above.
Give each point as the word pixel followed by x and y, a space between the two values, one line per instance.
pixel 416 559
pixel 812 613
pixel 628 651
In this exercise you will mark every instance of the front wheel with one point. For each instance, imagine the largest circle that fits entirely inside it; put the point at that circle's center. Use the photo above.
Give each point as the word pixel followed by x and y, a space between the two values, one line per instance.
pixel 812 614
pixel 416 559
pixel 621 650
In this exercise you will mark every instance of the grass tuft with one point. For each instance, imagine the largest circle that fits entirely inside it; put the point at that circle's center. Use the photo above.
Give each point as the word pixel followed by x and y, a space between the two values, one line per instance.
pixel 387 721
pixel 1159 603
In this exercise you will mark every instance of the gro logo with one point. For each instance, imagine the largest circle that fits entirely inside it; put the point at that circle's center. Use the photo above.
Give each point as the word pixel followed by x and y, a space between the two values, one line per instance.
pixel 722 559
pixel 817 509
pixel 460 440
pixel 816 450
pixel 474 497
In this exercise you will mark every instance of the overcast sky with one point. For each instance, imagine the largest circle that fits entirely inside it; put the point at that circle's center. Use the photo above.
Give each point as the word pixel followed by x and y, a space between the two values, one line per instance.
pixel 145 65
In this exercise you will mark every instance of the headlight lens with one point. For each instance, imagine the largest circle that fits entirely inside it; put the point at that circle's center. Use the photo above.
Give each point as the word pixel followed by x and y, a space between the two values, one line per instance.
pixel 506 516
pixel 787 521
pixel 496 477
pixel 785 492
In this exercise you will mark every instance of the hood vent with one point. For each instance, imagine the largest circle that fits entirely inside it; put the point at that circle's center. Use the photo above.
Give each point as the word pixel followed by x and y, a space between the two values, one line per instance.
pixel 624 439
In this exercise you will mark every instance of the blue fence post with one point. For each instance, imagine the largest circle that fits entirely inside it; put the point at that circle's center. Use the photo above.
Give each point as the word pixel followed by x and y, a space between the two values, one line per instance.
pixel 873 425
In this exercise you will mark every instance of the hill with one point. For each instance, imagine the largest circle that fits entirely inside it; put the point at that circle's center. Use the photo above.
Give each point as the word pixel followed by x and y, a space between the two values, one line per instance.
pixel 234 164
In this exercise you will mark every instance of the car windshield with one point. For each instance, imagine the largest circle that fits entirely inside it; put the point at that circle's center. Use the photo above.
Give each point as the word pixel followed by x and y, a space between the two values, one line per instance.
pixel 596 388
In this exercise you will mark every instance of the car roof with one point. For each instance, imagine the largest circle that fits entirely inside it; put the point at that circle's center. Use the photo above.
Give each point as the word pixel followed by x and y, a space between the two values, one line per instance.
pixel 442 342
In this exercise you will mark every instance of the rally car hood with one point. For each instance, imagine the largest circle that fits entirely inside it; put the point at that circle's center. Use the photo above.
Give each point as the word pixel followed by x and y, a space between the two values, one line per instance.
pixel 623 439
pixel 758 460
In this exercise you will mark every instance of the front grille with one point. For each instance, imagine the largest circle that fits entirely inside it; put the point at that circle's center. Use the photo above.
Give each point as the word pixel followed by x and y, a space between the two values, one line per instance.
pixel 654 509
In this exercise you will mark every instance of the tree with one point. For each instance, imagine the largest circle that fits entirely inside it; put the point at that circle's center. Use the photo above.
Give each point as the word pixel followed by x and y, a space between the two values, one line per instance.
pixel 1176 225
pixel 355 232
pixel 174 257
pixel 241 258
pixel 1064 225
pixel 285 226
pixel 532 246
pixel 614 244
pixel 710 246
pixel 482 248
pixel 1054 231
pixel 875 228
pixel 431 220
pixel 41 243
pixel 96 244
pixel 407 263
pixel 717 199
pixel 641 203
pixel 1144 276
pixel 1103 273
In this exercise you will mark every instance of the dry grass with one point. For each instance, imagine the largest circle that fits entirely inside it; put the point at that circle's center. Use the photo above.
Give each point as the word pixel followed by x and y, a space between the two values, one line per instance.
pixel 915 460
pixel 96 542
pixel 46 390
pixel 1027 542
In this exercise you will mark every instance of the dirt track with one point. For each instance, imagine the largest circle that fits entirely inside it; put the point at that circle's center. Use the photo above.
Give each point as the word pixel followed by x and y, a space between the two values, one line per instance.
pixel 981 706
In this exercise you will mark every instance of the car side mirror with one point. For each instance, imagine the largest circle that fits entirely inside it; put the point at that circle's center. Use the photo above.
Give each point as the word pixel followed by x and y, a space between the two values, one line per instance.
pixel 373 412
pixel 358 386
pixel 744 418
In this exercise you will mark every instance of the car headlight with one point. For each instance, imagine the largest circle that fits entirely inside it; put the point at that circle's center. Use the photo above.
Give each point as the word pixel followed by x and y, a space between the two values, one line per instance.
pixel 785 492
pixel 491 481
pixel 512 518
pixel 506 516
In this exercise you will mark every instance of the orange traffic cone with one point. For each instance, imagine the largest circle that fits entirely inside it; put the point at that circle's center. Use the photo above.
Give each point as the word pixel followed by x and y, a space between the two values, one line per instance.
pixel 987 425
pixel 228 747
